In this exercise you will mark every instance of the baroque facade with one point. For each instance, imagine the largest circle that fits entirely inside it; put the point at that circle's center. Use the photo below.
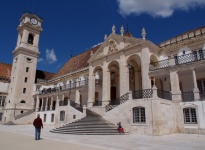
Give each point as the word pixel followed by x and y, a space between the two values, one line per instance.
pixel 151 89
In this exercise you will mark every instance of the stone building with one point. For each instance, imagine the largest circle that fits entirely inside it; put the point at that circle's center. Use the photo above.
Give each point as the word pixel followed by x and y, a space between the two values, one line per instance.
pixel 152 89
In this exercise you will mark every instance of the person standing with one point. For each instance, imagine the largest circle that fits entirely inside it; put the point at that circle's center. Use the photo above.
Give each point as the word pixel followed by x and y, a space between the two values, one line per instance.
pixel 38 124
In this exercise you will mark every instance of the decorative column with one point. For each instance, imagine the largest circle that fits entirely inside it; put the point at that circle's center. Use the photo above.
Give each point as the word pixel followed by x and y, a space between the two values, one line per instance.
pixel 124 76
pixel 145 60
pixel 37 104
pixel 51 106
pixel 106 84
pixel 77 96
pixel 91 88
pixel 46 107
pixel 195 90
pixel 175 89
pixel 154 89
pixel 42 104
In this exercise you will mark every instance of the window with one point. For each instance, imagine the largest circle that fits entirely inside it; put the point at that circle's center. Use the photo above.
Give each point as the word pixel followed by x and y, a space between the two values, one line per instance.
pixel 1 114
pixel 25 80
pixel 30 39
pixel 52 117
pixel 62 115
pixel 190 116
pixel 2 100
pixel 201 86
pixel 27 69
pixel 44 118
pixel 24 90
pixel 23 101
pixel 139 115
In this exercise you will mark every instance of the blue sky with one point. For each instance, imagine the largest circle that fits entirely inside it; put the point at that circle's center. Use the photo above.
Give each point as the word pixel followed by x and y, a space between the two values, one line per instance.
pixel 71 27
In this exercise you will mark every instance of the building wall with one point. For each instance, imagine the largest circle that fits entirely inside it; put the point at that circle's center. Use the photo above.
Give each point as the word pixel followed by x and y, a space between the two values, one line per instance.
pixel 198 128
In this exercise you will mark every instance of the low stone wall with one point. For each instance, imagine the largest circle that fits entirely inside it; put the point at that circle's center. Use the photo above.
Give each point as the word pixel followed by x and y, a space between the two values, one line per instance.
pixel 159 116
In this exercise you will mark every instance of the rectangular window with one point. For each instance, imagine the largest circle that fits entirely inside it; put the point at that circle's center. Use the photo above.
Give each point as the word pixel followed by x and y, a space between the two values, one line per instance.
pixel 1 114
pixel 190 116
pixel 139 115
pixel 52 117
pixel 2 100
pixel 25 80
pixel 24 90
pixel 27 69
pixel 44 117
pixel 62 115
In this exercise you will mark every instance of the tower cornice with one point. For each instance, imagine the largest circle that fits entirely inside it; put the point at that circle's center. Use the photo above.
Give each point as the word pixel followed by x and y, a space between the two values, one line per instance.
pixel 25 51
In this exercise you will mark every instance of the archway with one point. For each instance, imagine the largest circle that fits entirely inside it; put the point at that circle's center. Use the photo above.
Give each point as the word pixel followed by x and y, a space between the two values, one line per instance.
pixel 114 80
pixel 135 78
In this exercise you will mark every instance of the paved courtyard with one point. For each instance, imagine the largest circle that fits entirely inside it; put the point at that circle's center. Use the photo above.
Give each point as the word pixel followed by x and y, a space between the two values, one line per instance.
pixel 22 137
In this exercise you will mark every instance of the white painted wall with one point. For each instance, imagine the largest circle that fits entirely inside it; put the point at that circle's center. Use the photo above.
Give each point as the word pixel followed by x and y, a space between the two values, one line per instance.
pixel 4 87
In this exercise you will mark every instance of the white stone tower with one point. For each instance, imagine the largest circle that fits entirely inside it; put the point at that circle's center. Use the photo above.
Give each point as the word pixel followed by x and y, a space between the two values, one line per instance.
pixel 25 55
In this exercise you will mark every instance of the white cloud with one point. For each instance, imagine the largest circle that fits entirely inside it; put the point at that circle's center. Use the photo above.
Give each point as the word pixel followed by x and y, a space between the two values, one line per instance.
pixel 156 8
pixel 40 60
pixel 50 56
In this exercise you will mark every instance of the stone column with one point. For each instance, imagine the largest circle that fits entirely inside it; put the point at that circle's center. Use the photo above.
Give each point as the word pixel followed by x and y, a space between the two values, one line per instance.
pixel 46 107
pixel 175 89
pixel 124 76
pixel 37 104
pixel 106 84
pixel 145 60
pixel 77 96
pixel 51 106
pixel 42 104
pixel 91 88
pixel 195 90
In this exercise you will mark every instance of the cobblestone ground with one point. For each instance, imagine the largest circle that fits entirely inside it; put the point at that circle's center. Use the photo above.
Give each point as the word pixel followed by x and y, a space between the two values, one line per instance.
pixel 115 142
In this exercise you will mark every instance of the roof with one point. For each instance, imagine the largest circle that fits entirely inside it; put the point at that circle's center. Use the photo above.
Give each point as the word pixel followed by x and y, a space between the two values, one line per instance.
pixel 183 36
pixel 43 75
pixel 128 34
pixel 5 71
pixel 76 63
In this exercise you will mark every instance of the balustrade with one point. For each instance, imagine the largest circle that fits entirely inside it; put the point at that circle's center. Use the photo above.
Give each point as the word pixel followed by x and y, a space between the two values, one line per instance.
pixel 187 96
pixel 178 60
pixel 147 93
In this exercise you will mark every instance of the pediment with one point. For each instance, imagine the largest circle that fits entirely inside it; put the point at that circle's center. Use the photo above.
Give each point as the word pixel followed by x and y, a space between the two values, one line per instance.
pixel 113 44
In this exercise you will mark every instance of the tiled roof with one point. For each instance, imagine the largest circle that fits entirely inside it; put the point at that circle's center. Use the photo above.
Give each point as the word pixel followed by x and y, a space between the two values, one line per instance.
pixel 77 62
pixel 43 75
pixel 5 71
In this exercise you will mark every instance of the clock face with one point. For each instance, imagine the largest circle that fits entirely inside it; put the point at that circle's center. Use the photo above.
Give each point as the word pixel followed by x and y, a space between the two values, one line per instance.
pixel 34 21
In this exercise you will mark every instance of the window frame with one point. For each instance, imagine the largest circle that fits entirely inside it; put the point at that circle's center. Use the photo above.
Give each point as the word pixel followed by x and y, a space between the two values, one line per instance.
pixel 62 115
pixel 139 115
pixel 193 119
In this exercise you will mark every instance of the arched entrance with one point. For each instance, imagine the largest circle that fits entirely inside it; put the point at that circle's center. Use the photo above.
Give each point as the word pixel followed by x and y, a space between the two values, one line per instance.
pixel 114 80
pixel 135 78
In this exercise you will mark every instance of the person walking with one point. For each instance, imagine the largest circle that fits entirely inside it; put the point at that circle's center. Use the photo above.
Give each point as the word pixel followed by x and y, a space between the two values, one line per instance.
pixel 38 124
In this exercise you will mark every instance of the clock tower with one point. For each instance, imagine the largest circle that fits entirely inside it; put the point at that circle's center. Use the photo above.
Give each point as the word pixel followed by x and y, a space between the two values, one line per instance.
pixel 25 55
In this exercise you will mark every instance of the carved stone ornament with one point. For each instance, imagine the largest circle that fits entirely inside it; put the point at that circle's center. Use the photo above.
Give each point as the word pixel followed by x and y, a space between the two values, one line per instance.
pixel 127 44
pixel 100 54
pixel 112 46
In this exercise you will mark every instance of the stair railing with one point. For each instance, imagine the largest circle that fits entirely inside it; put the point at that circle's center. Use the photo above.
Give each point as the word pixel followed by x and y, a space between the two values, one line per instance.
pixel 76 106
pixel 24 114
pixel 113 103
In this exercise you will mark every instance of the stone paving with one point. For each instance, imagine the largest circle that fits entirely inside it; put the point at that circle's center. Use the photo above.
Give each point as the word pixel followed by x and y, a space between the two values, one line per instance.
pixel 116 142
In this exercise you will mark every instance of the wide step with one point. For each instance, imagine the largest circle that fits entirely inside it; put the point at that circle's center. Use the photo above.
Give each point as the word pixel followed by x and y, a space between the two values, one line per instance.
pixel 92 124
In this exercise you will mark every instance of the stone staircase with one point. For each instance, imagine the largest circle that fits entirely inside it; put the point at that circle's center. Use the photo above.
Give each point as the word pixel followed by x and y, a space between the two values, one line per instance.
pixel 114 103
pixel 9 123
pixel 92 124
